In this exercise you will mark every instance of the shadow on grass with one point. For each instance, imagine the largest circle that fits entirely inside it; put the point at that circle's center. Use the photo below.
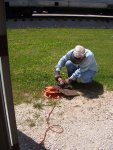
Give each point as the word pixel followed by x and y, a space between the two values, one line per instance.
pixel 27 143
pixel 91 90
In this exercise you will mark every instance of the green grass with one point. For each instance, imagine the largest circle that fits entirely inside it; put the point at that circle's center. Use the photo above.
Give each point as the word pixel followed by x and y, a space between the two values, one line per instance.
pixel 34 53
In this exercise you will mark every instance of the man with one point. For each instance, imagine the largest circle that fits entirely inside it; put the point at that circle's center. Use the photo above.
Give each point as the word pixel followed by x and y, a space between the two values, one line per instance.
pixel 80 63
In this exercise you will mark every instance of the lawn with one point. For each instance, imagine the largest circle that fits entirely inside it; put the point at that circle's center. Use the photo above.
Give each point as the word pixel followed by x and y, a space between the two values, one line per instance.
pixel 34 53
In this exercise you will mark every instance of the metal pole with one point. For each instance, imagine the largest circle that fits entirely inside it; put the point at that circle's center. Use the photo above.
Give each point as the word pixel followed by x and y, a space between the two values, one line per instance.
pixel 4 138
pixel 6 88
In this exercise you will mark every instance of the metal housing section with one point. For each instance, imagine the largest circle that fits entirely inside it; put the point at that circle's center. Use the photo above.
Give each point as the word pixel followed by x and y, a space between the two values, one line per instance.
pixel 61 3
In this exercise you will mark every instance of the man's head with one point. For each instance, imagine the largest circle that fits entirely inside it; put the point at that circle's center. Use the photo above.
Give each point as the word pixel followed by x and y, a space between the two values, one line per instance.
pixel 79 51
pixel 78 54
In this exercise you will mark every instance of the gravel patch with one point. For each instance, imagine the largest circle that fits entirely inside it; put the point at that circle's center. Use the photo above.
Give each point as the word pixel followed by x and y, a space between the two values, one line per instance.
pixel 87 124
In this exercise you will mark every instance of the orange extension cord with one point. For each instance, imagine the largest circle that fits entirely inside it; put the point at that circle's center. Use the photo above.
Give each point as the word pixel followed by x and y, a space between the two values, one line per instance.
pixel 51 92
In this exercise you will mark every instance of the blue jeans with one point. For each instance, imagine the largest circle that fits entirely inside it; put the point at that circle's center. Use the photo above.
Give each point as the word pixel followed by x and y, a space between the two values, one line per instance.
pixel 83 77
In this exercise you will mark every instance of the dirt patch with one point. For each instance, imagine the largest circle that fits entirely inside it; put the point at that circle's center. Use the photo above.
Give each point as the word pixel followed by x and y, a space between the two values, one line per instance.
pixel 87 121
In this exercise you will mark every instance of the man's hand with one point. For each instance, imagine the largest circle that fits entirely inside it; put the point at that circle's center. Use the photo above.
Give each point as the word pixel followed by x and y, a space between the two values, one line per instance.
pixel 57 78
pixel 68 81
pixel 57 75
pixel 61 82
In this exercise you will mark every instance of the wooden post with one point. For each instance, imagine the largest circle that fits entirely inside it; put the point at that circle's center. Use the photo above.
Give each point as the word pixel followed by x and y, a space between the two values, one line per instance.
pixel 8 136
